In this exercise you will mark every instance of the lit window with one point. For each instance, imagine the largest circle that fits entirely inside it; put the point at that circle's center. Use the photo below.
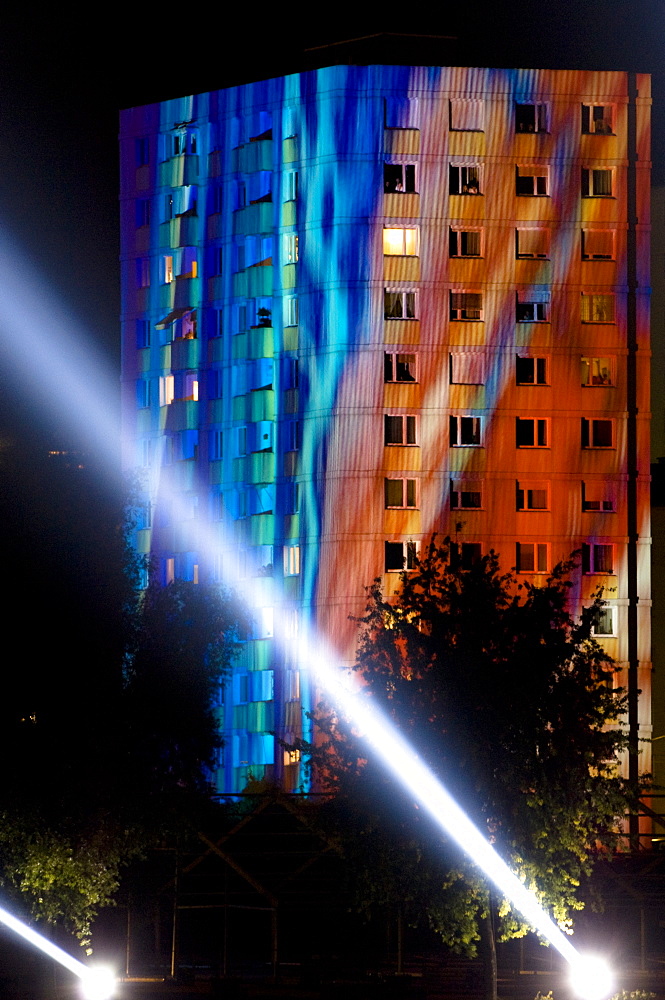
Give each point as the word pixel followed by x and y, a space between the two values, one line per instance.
pixel 291 560
pixel 290 311
pixel 266 623
pixel 466 305
pixel 467 369
pixel 464 179
pixel 400 556
pixel 597 244
pixel 533 243
pixel 166 390
pixel 532 307
pixel 597 558
pixel 598 497
pixel 465 555
pixel 597 433
pixel 399 429
pixel 467 114
pixel 531 371
pixel 188 263
pixel 531 557
pixel 596 371
pixel 597 308
pixel 400 242
pixel 603 621
pixel 531 433
pixel 399 178
pixel 400 493
pixel 533 496
pixel 465 495
pixel 291 757
pixel 168 269
pixel 464 431
pixel 531 118
pixel 190 386
pixel 597 182
pixel 399 368
pixel 597 119
pixel 532 181
pixel 290 248
pixel 399 305
pixel 465 242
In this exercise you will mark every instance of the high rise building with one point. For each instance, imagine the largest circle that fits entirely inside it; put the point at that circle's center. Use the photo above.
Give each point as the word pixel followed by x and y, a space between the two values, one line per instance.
pixel 365 304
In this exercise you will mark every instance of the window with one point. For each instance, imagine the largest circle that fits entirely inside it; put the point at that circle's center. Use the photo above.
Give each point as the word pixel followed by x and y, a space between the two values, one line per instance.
pixel 465 495
pixel 531 118
pixel 596 371
pixel 400 493
pixel 399 368
pixel 141 151
pixel 399 178
pixel 531 557
pixel 400 556
pixel 597 433
pixel 597 244
pixel 597 308
pixel 531 371
pixel 168 269
pixel 290 248
pixel 603 621
pixel 290 311
pixel 597 182
pixel 532 307
pixel 597 119
pixel 292 435
pixel 467 114
pixel 169 210
pixel 597 558
pixel 466 305
pixel 290 186
pixel 467 369
pixel 465 555
pixel 166 390
pixel 216 446
pixel 399 305
pixel 464 179
pixel 291 373
pixel 598 498
pixel 190 386
pixel 530 433
pixel 142 393
pixel 399 429
pixel 400 242
pixel 464 431
pixel 465 242
pixel 533 496
pixel 142 333
pixel 142 212
pixel 143 272
pixel 532 181
pixel 532 243
pixel 291 560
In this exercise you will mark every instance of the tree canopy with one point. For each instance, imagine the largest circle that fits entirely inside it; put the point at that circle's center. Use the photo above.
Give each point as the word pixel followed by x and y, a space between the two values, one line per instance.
pixel 513 704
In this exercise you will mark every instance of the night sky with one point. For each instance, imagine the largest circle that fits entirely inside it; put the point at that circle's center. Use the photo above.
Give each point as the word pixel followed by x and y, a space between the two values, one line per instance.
pixel 62 83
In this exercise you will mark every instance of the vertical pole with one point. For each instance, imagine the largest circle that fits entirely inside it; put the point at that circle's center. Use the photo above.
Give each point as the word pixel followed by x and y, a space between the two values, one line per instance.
pixel 174 928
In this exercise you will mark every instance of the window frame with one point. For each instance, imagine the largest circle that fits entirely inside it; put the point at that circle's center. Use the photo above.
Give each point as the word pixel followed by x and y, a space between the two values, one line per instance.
pixel 391 367
pixel 409 179
pixel 456 238
pixel 405 242
pixel 409 491
pixel 605 609
pixel 458 429
pixel 534 172
pixel 540 554
pixel 546 233
pixel 587 236
pixel 605 502
pixel 592 556
pixel 610 369
pixel 410 551
pixel 540 435
pixel 538 302
pixel 541 117
pixel 589 179
pixel 541 369
pixel 461 182
pixel 468 105
pixel 591 433
pixel 524 490
pixel 588 130
pixel 407 297
pixel 409 430
pixel 457 313
pixel 457 492
pixel 589 307
pixel 467 368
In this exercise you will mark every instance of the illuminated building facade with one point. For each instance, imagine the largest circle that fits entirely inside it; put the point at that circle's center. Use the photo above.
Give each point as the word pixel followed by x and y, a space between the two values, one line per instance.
pixel 365 304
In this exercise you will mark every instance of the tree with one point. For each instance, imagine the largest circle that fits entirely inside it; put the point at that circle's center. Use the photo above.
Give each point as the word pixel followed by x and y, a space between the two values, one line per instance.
pixel 512 703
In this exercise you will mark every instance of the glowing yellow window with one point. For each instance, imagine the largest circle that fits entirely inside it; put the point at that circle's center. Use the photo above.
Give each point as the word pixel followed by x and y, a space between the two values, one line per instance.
pixel 400 242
